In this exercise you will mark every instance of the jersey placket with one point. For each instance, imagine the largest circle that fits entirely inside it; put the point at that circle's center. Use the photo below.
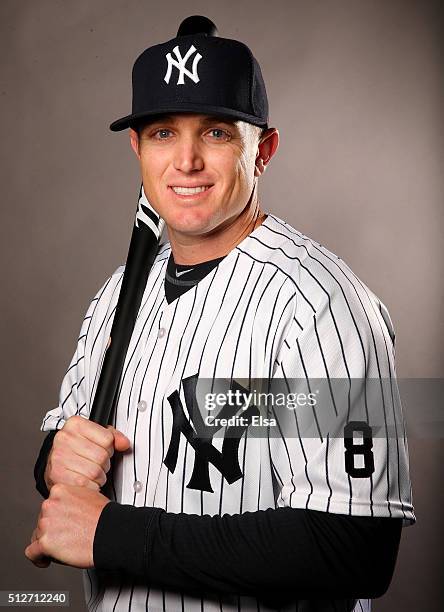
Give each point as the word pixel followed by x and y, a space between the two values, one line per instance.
pixel 155 376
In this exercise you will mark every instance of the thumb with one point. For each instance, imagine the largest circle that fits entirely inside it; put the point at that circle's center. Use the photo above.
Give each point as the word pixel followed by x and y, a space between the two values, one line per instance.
pixel 121 442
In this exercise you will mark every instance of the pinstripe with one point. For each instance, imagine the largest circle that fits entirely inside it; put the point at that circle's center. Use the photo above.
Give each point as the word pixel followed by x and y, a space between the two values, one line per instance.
pixel 309 387
pixel 231 318
pixel 246 311
pixel 136 344
pixel 290 300
pixel 280 270
pixel 297 323
pixel 162 420
pixel 327 439
pixel 299 434
pixel 75 364
pixel 106 320
pixel 325 366
pixel 254 321
pixel 397 445
pixel 135 371
pixel 221 486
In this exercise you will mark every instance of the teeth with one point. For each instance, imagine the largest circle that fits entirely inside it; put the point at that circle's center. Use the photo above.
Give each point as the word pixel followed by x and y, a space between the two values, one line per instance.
pixel 190 190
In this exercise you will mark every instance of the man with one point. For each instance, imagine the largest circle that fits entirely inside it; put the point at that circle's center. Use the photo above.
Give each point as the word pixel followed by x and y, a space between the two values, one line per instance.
pixel 198 511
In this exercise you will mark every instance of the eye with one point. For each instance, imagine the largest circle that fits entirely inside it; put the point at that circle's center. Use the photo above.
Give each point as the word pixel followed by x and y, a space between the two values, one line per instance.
pixel 161 131
pixel 221 134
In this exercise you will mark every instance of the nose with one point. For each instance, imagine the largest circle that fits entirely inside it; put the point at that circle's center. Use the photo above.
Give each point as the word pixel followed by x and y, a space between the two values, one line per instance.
pixel 188 155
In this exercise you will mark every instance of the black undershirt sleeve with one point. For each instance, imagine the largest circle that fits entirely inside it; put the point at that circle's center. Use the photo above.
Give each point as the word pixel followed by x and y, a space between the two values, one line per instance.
pixel 286 552
pixel 283 553
pixel 40 465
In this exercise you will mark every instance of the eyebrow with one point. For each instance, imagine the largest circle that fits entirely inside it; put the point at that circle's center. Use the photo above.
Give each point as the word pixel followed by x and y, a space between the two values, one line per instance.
pixel 205 120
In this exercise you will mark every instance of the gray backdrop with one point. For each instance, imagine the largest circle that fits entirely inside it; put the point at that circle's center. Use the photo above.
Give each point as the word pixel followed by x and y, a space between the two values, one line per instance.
pixel 355 89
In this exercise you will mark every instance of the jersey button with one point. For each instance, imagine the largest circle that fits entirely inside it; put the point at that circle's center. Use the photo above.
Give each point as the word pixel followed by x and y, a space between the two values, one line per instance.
pixel 137 486
pixel 161 332
pixel 141 406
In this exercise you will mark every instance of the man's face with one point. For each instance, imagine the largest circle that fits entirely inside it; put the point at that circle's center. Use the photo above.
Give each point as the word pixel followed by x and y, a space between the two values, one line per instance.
pixel 192 150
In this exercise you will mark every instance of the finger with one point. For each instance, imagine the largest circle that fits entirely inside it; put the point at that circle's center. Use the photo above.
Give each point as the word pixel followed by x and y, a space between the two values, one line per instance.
pixel 34 553
pixel 86 469
pixel 95 433
pixel 84 447
pixel 77 479
pixel 121 442
pixel 76 451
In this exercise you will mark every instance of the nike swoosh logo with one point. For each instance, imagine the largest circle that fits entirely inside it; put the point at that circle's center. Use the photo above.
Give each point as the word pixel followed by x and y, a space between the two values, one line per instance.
pixel 183 272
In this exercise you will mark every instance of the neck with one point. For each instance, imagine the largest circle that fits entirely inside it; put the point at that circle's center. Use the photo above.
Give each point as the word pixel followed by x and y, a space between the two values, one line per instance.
pixel 221 240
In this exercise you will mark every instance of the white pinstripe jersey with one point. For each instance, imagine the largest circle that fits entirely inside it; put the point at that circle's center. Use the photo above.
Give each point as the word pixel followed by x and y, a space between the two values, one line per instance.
pixel 279 305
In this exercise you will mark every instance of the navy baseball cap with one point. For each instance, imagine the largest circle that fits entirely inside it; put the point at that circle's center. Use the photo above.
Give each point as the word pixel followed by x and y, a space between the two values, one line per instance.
pixel 197 72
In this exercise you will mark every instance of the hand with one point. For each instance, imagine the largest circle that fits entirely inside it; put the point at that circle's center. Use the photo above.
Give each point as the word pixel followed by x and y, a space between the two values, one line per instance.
pixel 81 453
pixel 66 527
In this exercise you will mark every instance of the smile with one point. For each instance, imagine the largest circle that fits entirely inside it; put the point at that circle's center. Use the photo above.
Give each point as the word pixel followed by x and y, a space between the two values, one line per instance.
pixel 190 191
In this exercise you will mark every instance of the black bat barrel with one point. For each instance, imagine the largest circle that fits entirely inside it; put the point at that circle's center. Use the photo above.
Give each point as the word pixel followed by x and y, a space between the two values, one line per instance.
pixel 141 254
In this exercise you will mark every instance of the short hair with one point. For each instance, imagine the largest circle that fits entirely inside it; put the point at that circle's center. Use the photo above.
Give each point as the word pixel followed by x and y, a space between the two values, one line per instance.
pixel 261 131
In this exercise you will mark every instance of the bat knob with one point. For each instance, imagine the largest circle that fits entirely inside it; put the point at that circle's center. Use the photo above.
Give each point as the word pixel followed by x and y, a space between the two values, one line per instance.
pixel 197 24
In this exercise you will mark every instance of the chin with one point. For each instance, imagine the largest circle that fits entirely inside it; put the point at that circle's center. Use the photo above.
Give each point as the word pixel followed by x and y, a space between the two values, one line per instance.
pixel 193 229
pixel 191 222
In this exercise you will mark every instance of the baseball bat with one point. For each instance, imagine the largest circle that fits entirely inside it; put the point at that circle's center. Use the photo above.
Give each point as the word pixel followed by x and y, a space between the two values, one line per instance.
pixel 142 251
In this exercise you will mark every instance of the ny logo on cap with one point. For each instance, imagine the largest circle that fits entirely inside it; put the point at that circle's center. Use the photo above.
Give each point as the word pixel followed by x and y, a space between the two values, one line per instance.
pixel 180 64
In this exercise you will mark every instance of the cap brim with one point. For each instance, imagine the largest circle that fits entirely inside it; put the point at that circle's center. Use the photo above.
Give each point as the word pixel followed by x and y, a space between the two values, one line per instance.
pixel 132 120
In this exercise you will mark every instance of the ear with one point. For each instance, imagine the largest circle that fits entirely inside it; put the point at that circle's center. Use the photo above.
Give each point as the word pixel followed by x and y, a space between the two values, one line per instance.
pixel 134 139
pixel 267 147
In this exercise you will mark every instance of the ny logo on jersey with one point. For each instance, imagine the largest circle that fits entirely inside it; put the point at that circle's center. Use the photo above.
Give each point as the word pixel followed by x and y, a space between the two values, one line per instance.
pixel 180 64
pixel 200 438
